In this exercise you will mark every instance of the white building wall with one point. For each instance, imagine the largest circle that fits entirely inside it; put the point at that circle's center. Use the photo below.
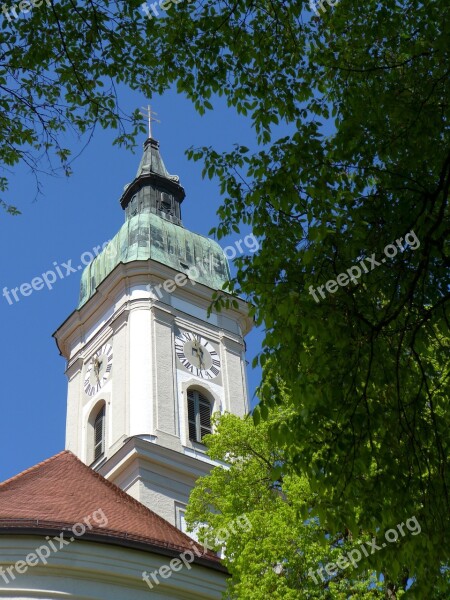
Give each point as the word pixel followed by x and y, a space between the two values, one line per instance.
pixel 95 571
pixel 141 370
pixel 164 360
pixel 145 395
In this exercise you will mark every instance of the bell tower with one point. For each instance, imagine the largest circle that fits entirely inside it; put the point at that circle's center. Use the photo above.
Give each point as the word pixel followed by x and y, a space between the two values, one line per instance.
pixel 147 366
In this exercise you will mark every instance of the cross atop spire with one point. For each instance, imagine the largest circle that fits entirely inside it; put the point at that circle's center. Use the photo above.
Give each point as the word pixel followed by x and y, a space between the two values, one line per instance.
pixel 148 112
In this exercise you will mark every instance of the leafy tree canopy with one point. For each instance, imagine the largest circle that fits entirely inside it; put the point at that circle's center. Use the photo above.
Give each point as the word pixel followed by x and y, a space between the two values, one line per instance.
pixel 60 68
pixel 357 196
pixel 274 542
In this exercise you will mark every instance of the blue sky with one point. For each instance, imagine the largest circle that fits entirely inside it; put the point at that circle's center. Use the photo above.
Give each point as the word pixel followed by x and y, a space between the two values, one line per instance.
pixel 72 217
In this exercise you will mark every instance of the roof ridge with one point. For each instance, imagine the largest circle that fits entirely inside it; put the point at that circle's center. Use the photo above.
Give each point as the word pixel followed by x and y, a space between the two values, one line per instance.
pixel 35 467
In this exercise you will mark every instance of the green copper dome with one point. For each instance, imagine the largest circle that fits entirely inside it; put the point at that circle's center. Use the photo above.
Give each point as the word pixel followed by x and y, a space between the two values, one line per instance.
pixel 148 236
pixel 153 231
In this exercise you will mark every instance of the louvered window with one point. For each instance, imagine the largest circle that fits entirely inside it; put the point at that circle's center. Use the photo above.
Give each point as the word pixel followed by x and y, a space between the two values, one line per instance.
pixel 166 202
pixel 199 415
pixel 99 434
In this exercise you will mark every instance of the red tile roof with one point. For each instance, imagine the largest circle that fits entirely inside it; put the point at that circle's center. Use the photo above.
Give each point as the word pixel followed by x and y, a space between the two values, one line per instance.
pixel 62 491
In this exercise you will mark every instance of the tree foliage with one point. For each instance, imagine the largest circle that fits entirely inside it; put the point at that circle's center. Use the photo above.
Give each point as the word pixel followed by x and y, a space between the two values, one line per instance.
pixel 274 541
pixel 361 163
pixel 60 68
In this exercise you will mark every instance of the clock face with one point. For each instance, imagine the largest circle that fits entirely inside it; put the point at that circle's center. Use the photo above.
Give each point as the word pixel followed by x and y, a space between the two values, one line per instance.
pixel 197 355
pixel 98 370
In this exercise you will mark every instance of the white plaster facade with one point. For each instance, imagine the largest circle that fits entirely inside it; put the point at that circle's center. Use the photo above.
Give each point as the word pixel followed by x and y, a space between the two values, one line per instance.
pixel 87 570
pixel 145 395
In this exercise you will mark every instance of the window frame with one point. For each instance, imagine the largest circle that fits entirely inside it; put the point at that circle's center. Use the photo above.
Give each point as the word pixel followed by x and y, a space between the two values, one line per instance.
pixel 100 416
pixel 199 399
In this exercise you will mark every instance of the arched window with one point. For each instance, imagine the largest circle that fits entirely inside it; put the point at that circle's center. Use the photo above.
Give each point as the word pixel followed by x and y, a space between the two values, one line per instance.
pixel 199 415
pixel 99 434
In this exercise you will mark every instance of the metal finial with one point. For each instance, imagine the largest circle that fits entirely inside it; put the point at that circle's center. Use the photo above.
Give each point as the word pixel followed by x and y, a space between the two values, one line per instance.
pixel 148 112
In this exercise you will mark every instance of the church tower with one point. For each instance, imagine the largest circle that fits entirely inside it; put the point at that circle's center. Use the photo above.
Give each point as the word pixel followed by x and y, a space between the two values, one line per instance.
pixel 147 365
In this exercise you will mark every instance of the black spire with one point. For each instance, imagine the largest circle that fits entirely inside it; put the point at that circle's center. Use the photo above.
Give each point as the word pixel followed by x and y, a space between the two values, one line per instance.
pixel 153 189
